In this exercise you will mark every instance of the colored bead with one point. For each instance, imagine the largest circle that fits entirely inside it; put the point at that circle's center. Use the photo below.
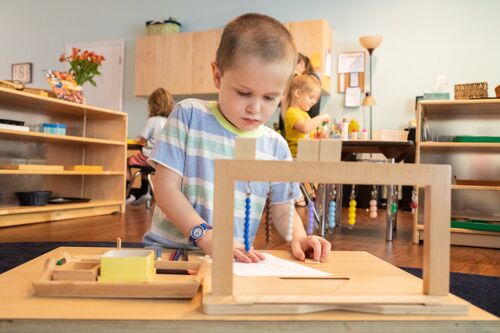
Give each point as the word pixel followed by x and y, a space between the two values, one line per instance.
pixel 373 208
pixel 373 215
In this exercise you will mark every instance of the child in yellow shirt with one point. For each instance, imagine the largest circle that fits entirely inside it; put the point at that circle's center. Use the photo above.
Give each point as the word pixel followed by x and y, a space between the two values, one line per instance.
pixel 303 92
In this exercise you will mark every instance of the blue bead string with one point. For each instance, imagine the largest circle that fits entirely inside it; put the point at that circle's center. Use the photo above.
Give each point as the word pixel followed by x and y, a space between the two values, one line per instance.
pixel 331 215
pixel 246 229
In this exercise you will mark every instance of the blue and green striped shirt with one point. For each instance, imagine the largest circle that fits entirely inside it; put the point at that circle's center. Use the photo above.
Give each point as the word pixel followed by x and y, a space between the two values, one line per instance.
pixel 195 134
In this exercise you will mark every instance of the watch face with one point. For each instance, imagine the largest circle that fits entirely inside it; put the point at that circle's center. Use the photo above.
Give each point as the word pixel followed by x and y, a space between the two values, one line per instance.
pixel 197 232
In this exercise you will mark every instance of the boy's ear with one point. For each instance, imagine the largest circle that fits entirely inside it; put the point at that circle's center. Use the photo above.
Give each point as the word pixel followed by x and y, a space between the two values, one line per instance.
pixel 216 74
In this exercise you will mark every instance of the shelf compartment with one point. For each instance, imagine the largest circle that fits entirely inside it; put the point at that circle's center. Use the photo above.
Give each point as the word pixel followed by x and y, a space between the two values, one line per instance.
pixel 62 173
pixel 450 108
pixel 16 215
pixel 466 237
pixel 459 145
pixel 36 136
pixel 46 105
pixel 475 187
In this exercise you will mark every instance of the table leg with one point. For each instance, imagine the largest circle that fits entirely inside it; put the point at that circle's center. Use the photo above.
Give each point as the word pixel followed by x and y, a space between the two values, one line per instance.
pixel 389 229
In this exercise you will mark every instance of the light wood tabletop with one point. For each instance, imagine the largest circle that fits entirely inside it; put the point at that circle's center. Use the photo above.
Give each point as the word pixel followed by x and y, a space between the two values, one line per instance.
pixel 21 311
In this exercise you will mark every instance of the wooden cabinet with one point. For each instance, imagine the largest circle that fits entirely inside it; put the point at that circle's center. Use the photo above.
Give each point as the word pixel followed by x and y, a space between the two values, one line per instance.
pixel 314 39
pixel 94 136
pixel 181 62
pixel 442 126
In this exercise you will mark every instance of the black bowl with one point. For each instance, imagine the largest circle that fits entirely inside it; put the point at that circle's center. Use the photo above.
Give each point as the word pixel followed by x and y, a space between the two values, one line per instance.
pixel 33 198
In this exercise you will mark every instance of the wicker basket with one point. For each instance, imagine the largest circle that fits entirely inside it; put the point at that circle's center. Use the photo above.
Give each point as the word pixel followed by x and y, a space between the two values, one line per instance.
pixel 165 27
pixel 390 135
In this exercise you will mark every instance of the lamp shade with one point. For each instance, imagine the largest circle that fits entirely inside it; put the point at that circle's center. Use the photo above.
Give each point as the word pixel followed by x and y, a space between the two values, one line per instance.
pixel 368 100
pixel 370 42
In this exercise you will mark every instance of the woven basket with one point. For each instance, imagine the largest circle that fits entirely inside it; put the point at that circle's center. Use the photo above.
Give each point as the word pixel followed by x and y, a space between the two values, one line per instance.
pixel 390 135
pixel 165 27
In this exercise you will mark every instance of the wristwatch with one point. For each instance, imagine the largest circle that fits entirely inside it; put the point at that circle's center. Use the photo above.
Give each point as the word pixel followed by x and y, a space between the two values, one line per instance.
pixel 198 232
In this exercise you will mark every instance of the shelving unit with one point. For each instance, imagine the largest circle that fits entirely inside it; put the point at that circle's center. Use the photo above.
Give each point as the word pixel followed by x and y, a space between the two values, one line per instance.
pixel 95 136
pixel 437 123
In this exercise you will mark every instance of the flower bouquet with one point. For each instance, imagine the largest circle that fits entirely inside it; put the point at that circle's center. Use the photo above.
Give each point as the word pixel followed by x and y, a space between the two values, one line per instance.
pixel 84 65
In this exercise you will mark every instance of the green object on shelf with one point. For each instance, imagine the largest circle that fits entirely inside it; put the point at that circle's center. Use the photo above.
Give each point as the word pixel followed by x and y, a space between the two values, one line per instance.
pixel 467 138
pixel 475 225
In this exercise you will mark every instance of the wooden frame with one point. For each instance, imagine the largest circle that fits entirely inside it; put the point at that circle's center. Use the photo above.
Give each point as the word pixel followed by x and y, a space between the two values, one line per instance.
pixel 22 72
pixel 436 179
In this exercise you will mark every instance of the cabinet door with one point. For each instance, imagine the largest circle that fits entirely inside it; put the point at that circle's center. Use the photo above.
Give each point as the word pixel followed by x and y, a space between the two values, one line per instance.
pixel 314 39
pixel 164 61
pixel 177 53
pixel 205 45
pixel 148 64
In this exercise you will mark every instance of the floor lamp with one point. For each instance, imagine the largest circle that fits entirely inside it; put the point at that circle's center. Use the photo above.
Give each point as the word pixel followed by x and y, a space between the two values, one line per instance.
pixel 370 43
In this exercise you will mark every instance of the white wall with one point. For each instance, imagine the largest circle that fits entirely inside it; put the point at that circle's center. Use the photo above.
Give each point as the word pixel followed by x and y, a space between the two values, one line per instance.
pixel 422 39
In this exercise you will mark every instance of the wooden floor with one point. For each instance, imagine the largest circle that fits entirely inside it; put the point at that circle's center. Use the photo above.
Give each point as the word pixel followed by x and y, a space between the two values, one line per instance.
pixel 367 235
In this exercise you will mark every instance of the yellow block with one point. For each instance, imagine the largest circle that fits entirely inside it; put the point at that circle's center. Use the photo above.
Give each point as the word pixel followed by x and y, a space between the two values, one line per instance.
pixel 91 168
pixel 127 266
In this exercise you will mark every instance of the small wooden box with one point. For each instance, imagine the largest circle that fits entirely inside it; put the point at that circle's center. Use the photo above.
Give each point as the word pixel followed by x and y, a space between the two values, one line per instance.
pixel 85 168
pixel 127 266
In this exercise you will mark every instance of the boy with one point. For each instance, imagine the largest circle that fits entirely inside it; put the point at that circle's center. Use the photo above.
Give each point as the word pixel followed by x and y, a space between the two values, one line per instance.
pixel 254 61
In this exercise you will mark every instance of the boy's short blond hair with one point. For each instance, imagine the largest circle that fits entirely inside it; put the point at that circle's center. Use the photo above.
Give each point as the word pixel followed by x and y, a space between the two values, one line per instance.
pixel 255 35
pixel 160 103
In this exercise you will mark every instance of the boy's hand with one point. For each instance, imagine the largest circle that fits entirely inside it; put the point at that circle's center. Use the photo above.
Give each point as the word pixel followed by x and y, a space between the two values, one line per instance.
pixel 314 247
pixel 241 255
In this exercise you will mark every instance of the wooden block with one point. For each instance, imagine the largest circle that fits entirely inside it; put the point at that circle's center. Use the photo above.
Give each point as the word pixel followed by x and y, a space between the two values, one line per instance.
pixel 91 168
pixel 308 150
pixel 330 150
pixel 32 167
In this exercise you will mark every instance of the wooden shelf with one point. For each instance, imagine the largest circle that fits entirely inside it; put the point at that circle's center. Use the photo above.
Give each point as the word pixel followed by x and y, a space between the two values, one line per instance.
pixel 458 145
pixel 447 108
pixel 475 187
pixel 36 136
pixel 474 160
pixel 97 137
pixel 30 102
pixel 15 215
pixel 62 173
pixel 51 207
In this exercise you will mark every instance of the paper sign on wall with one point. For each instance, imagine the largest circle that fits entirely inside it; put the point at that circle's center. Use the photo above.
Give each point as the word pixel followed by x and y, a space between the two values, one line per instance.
pixel 351 62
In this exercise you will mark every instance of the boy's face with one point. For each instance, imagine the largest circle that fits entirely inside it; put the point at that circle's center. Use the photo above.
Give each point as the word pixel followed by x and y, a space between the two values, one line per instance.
pixel 305 100
pixel 250 90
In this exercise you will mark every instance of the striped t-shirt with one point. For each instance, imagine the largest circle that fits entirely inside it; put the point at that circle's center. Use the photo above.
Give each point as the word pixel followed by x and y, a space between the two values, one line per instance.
pixel 195 134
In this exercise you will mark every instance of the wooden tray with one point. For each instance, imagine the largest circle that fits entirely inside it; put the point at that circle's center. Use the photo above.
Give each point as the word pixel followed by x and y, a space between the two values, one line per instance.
pixel 78 272
pixel 32 167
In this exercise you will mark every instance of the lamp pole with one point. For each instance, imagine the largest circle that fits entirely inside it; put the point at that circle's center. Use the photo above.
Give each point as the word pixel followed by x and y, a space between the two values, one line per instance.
pixel 370 51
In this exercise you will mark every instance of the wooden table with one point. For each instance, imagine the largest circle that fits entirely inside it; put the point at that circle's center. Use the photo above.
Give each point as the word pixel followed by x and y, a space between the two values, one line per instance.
pixel 20 311
pixel 395 152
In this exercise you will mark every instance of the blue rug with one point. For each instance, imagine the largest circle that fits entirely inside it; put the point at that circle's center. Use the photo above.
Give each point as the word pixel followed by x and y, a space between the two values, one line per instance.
pixel 482 291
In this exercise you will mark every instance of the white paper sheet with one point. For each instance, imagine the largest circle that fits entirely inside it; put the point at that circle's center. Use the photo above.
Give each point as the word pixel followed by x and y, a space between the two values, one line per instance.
pixel 352 97
pixel 274 266
pixel 351 62
pixel 353 79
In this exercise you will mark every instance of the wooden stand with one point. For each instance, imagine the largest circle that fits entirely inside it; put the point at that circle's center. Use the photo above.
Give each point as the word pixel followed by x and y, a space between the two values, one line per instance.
pixel 226 295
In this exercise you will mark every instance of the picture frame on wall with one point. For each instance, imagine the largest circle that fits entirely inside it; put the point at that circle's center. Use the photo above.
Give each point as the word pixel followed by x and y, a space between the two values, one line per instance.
pixel 22 72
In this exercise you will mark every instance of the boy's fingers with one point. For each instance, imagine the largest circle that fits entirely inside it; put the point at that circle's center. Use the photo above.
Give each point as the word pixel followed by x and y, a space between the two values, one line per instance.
pixel 241 256
pixel 297 251
pixel 258 254
pixel 326 248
